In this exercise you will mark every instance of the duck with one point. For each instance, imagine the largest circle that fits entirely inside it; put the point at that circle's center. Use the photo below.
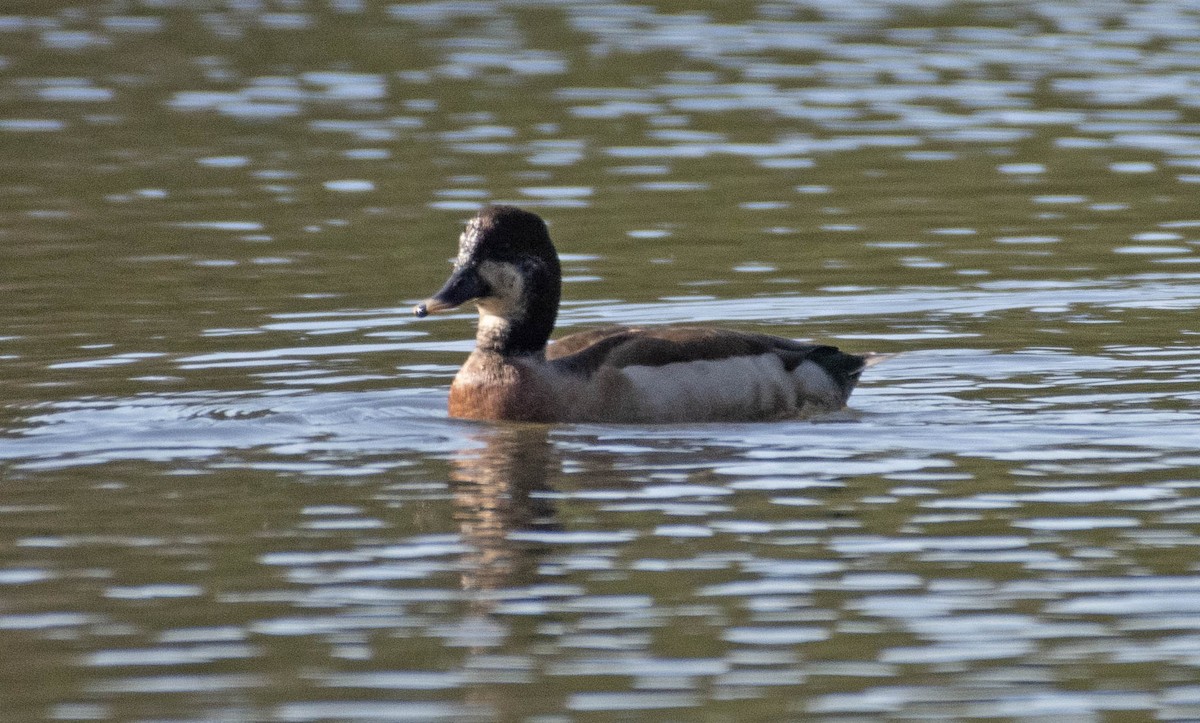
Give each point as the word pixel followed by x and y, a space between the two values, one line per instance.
pixel 509 268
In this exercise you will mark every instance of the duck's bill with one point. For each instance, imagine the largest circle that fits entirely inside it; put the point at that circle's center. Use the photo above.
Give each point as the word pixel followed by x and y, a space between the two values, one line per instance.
pixel 429 306
pixel 462 286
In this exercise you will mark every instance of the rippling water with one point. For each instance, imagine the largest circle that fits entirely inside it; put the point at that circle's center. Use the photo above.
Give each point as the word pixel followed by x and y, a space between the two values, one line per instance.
pixel 231 490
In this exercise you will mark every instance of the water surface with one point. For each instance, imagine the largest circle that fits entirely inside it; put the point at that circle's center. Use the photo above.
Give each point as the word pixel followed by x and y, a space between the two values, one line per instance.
pixel 231 490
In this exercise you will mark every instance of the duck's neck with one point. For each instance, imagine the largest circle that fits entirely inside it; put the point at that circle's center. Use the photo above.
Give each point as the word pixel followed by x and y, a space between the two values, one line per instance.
pixel 516 332
pixel 519 323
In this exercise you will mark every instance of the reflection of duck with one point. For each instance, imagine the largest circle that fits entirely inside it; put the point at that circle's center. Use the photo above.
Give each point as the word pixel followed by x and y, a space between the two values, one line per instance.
pixel 508 266
pixel 495 494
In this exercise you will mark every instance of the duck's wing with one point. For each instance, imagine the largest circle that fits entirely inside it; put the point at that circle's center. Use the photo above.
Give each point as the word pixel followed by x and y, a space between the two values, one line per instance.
pixel 702 374
pixel 575 343
pixel 621 347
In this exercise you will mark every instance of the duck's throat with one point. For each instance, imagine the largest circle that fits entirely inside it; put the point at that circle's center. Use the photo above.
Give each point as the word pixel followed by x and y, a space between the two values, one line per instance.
pixel 511 336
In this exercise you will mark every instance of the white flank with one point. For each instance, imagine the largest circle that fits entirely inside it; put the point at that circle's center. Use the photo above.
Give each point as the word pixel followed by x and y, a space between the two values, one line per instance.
pixel 744 387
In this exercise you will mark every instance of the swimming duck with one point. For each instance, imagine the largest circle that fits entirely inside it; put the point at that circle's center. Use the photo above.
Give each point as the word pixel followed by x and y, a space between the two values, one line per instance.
pixel 508 266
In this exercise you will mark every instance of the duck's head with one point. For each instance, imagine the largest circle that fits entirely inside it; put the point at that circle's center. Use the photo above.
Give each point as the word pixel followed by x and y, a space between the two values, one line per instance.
pixel 508 266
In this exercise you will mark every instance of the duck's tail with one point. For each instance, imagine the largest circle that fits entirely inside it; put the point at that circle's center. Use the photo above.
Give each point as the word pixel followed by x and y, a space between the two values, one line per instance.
pixel 846 369
pixel 829 375
pixel 871 358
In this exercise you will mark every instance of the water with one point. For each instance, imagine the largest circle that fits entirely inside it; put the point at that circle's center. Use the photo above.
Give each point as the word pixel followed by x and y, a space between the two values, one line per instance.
pixel 231 490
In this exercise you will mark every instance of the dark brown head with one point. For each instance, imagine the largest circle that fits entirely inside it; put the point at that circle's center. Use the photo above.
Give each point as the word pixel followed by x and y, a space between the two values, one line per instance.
pixel 508 266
